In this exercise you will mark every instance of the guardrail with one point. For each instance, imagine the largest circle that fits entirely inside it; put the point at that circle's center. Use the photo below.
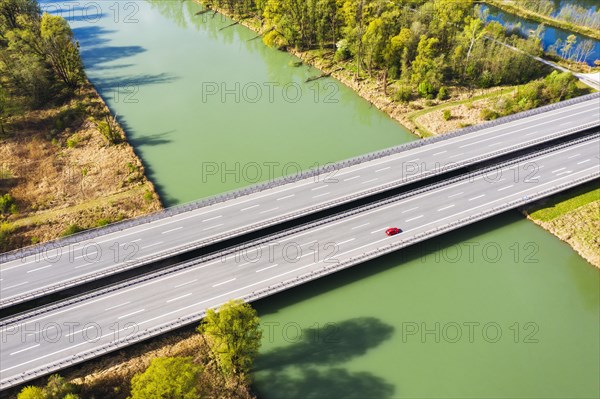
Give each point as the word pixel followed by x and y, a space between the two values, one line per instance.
pixel 278 287
pixel 178 209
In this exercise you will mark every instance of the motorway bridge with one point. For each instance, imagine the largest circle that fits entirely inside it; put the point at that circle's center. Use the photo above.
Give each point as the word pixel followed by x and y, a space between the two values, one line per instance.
pixel 64 333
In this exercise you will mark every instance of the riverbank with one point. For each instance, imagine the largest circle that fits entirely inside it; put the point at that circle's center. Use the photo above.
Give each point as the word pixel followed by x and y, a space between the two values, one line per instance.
pixel 62 174
pixel 513 7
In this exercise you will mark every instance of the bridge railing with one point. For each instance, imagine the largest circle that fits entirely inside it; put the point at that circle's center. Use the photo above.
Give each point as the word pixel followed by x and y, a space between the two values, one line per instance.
pixel 178 209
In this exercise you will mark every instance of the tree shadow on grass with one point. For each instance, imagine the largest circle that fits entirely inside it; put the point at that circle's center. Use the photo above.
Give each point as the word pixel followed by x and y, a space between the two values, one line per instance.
pixel 331 344
pixel 333 383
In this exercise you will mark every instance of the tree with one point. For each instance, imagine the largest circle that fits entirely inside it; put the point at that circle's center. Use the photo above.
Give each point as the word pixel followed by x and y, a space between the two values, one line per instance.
pixel 427 67
pixel 56 388
pixel 31 392
pixel 234 335
pixel 60 49
pixel 10 10
pixel 167 378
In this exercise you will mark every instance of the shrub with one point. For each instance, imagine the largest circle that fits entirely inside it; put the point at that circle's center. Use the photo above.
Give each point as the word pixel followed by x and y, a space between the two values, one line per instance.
pixel 404 94
pixel 169 377
pixel 489 114
pixel 447 115
pixel 72 229
pixel 102 222
pixel 443 94
pixel 7 204
pixel 426 90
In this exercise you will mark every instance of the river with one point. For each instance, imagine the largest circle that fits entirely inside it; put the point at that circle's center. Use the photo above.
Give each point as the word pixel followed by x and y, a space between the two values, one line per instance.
pixel 499 309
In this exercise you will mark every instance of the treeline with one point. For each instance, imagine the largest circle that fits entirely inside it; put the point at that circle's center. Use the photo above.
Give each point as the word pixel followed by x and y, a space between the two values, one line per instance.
pixel 424 44
pixel 232 337
pixel 39 60
pixel 571 13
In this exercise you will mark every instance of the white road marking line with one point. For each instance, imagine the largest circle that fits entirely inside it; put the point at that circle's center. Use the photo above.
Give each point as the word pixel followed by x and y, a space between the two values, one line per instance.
pixel 213 218
pixel 558 170
pixel 446 207
pixel 587 160
pixel 248 263
pixel 224 282
pixel 16 285
pixel 479 196
pixel 413 160
pixel 573 156
pixel 320 195
pixel 172 230
pixel 250 207
pixel 440 153
pixel 320 187
pixel 39 268
pixel 26 349
pixel 456 155
pixel 415 218
pixel 352 178
pixel 493 144
pixel 116 306
pixel 266 268
pixel 269 210
pixel 152 245
pixel 179 297
pixel 344 242
pixel 534 179
pixel 286 197
pixel 382 169
pixel 369 181
pixel 186 283
pixel 456 195
pixel 130 314
pixel 376 231
pixel 213 227
pixel 566 172
pixel 411 209
pixel 358 227
pixel 506 188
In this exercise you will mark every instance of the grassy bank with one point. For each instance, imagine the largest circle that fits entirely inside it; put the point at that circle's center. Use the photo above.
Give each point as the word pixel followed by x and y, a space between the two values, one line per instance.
pixel 60 174
pixel 574 217
pixel 513 7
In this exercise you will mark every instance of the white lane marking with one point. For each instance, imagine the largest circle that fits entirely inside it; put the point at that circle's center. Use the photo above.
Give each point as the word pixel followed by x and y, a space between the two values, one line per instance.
pixel 26 349
pixel 152 245
pixel 558 170
pixel 479 196
pixel 213 218
pixel 352 178
pixel 16 285
pixel 506 188
pixel 286 197
pixel 266 268
pixel 409 210
pixel 587 160
pixel 224 282
pixel 382 169
pixel 179 297
pixel 369 181
pixel 534 179
pixel 456 195
pixel 456 155
pixel 130 314
pixel 440 153
pixel 195 305
pixel 566 172
pixel 358 227
pixel 250 207
pixel 186 283
pixel 376 231
pixel 116 306
pixel 573 156
pixel 320 195
pixel 86 254
pixel 446 207
pixel 213 227
pixel 415 218
pixel 320 187
pixel 172 230
pixel 344 242
pixel 493 144
pixel 413 160
pixel 249 263
pixel 39 268
pixel 269 210
pixel 507 126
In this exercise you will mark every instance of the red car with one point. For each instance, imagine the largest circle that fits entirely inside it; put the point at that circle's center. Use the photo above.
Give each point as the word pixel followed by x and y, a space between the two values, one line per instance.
pixel 392 231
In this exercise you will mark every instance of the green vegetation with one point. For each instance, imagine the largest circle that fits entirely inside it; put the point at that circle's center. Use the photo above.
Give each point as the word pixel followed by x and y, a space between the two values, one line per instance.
pixel 571 16
pixel 234 336
pixel 422 45
pixel 72 229
pixel 553 88
pixel 169 377
pixel 561 204
pixel 7 204
pixel 57 388
pixel 39 60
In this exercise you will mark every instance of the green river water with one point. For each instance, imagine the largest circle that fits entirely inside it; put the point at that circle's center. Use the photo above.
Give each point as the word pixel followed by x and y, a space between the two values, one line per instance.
pixel 501 309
